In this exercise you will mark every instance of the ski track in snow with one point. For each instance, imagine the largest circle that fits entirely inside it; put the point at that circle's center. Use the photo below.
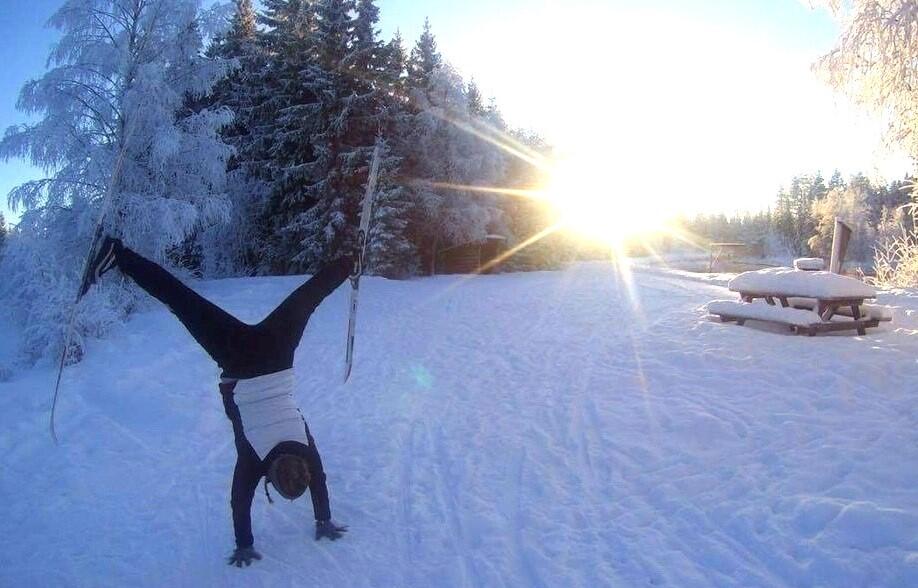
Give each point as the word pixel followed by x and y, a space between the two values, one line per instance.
pixel 547 429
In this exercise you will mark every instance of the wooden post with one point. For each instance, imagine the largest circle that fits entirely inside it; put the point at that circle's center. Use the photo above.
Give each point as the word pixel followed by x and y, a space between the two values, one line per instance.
pixel 840 237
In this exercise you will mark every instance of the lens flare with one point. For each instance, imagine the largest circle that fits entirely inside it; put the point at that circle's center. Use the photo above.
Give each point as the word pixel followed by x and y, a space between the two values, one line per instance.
pixel 591 199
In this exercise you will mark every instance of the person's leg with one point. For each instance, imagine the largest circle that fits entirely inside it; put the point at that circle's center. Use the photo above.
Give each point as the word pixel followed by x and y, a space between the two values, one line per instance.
pixel 286 323
pixel 217 331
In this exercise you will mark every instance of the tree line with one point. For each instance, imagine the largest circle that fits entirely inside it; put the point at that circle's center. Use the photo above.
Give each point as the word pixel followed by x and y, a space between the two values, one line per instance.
pixel 235 141
pixel 802 220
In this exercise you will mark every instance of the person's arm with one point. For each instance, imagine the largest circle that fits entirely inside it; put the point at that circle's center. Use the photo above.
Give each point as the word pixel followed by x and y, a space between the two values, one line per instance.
pixel 245 481
pixel 325 527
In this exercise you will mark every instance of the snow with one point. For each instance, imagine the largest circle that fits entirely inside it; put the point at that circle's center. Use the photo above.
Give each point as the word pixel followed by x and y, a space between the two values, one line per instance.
pixel 810 263
pixel 795 282
pixel 877 311
pixel 763 312
pixel 10 339
pixel 546 429
pixel 870 311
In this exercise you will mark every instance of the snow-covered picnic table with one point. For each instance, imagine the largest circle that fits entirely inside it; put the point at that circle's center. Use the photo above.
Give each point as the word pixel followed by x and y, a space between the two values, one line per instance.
pixel 826 293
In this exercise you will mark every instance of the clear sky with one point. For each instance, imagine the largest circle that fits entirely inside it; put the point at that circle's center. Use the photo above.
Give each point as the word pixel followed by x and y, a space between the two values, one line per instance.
pixel 708 101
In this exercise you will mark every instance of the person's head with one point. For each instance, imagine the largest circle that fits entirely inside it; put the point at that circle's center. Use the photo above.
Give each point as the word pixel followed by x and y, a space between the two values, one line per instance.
pixel 289 474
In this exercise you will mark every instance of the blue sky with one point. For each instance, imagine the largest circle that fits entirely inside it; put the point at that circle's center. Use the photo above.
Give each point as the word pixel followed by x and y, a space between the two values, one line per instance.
pixel 24 46
pixel 706 67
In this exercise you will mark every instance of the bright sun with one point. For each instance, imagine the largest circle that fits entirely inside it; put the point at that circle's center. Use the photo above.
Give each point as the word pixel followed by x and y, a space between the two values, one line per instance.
pixel 592 200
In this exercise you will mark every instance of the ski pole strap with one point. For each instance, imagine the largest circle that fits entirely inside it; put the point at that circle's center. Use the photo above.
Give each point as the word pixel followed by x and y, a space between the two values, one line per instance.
pixel 358 266
pixel 266 491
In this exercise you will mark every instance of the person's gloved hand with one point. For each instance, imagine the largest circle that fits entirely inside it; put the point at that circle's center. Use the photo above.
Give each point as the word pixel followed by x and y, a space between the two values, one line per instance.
pixel 243 555
pixel 329 529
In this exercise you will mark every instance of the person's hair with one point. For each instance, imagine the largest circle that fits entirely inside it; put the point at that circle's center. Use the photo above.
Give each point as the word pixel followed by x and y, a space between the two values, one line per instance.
pixel 289 474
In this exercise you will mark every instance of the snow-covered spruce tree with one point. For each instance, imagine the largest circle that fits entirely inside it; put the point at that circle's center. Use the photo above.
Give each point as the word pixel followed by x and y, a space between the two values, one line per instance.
pixel 424 59
pixel 888 197
pixel 390 251
pixel 2 234
pixel 444 154
pixel 836 181
pixel 113 124
pixel 794 212
pixel 474 101
pixel 395 75
pixel 440 146
pixel 351 114
pixel 527 217
pixel 229 248
pixel 279 152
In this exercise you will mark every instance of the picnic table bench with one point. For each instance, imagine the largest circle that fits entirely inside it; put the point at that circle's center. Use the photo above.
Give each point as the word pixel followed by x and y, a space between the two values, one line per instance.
pixel 809 301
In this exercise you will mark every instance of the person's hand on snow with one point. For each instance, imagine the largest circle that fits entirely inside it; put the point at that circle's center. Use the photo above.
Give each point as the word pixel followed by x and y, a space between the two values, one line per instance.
pixel 330 530
pixel 243 556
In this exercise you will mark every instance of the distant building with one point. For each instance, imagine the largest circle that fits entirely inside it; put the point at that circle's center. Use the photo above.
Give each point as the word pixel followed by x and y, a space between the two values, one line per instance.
pixel 471 258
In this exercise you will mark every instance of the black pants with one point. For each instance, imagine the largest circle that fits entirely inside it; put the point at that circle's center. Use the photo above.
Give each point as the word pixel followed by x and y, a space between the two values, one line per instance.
pixel 240 349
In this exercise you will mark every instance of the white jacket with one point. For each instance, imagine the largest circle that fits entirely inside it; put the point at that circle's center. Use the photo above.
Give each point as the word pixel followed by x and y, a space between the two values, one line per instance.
pixel 268 411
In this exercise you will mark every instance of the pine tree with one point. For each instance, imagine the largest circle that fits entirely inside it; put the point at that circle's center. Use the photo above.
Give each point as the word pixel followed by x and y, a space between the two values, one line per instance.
pixel 229 249
pixel 445 153
pixel 395 74
pixel 342 141
pixel 892 196
pixel 390 250
pixel 784 221
pixel 367 52
pixel 794 219
pixel 801 226
pixel 280 150
pixel 527 217
pixel 323 227
pixel 473 96
pixel 424 60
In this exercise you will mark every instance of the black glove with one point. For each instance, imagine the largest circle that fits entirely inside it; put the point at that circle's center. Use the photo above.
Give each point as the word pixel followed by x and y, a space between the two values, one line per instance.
pixel 330 529
pixel 243 555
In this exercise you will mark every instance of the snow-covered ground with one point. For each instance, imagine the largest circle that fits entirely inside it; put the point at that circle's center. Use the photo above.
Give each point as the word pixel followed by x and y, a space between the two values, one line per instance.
pixel 547 429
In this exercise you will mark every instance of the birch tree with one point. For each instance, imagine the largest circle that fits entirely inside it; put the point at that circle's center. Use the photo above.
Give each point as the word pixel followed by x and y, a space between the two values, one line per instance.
pixel 114 127
pixel 873 62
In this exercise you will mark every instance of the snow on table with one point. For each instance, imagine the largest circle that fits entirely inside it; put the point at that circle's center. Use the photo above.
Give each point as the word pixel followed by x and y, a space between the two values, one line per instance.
pixel 764 312
pixel 810 263
pixel 778 281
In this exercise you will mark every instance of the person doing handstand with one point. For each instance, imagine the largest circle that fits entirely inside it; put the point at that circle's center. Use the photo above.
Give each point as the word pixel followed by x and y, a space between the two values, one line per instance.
pixel 272 438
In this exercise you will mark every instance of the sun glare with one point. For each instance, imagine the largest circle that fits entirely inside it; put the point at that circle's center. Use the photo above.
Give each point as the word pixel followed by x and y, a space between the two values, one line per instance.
pixel 593 201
